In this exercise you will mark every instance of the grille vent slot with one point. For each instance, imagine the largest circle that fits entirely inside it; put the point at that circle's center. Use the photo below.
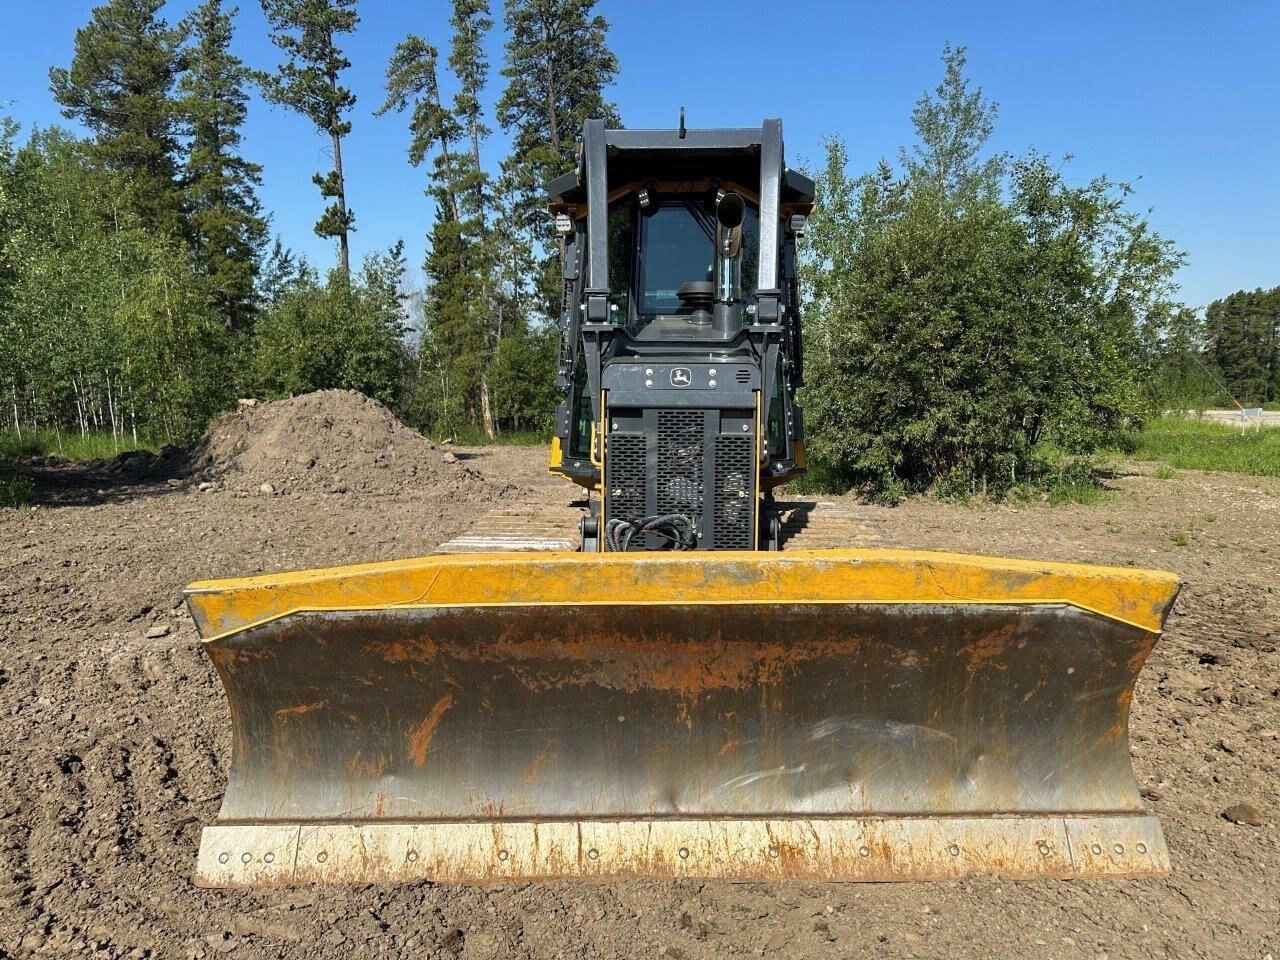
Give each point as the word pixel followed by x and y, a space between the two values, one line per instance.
pixel 743 376
pixel 680 456
pixel 627 473
pixel 734 493
pixel 677 462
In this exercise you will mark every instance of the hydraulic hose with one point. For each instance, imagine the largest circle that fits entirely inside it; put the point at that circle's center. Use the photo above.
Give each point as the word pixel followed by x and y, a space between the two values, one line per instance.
pixel 675 528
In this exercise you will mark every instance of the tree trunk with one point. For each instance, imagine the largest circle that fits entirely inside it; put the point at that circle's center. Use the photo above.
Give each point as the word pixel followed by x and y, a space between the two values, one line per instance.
pixel 344 252
pixel 553 125
pixel 111 410
pixel 486 411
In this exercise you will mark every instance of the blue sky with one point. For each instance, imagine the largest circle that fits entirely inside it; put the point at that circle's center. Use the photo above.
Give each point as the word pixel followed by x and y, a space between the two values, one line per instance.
pixel 1181 98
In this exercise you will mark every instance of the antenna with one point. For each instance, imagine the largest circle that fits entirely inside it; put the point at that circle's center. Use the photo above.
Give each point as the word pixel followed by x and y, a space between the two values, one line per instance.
pixel 682 130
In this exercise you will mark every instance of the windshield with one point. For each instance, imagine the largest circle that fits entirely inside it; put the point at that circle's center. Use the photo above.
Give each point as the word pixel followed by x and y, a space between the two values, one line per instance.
pixel 677 241
pixel 677 248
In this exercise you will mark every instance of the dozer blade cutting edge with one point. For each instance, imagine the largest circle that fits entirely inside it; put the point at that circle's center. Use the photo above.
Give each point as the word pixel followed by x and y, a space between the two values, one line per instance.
pixel 847 714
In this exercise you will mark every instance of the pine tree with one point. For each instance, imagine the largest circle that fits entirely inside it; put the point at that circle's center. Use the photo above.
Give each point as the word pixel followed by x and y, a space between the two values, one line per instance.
pixel 480 257
pixel 1244 341
pixel 557 65
pixel 120 86
pixel 413 85
pixel 1181 377
pixel 454 303
pixel 226 224
pixel 467 60
pixel 309 82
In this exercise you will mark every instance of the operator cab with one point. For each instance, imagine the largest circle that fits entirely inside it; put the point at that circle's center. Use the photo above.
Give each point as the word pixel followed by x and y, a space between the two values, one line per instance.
pixel 680 350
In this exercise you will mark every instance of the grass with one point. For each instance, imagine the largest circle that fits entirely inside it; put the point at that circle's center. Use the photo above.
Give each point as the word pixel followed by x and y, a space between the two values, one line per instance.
pixel 69 446
pixel 1063 480
pixel 470 437
pixel 15 492
pixel 1190 444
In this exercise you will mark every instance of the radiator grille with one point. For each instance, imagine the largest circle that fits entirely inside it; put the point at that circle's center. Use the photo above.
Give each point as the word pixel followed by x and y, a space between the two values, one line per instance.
pixel 680 455
pixel 676 462
pixel 734 500
pixel 626 479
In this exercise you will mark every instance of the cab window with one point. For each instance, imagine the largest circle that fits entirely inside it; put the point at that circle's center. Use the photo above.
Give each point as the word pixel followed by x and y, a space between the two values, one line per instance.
pixel 675 243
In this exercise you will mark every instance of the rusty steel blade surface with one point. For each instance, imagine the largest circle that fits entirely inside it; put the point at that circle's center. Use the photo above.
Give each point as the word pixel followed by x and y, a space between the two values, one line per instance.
pixel 859 740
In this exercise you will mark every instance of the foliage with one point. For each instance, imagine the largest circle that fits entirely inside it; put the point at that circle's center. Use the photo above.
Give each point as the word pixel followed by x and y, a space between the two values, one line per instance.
pixel 309 82
pixel 524 372
pixel 120 85
pixel 452 355
pixel 104 324
pixel 1183 375
pixel 224 218
pixel 1243 331
pixel 1195 444
pixel 481 359
pixel 558 63
pixel 346 332
pixel 970 310
pixel 138 295
pixel 1061 481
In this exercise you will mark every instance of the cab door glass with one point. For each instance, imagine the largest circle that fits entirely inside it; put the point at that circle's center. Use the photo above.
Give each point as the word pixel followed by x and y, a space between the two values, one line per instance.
pixel 621 255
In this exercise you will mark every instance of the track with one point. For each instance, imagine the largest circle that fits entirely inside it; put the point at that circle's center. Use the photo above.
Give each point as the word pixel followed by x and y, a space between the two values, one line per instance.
pixel 823 525
pixel 520 529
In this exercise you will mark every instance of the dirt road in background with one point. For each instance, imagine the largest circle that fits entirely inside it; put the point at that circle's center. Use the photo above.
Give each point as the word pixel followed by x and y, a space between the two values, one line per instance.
pixel 114 738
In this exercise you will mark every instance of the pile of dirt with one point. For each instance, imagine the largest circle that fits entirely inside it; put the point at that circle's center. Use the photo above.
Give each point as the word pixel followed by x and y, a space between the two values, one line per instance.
pixel 330 441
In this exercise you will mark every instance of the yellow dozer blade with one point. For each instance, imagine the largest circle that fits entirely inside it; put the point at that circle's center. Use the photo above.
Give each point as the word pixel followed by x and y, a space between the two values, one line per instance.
pixel 847 714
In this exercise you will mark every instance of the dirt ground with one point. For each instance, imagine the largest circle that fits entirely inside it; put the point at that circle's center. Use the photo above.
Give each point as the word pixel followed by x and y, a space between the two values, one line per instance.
pixel 114 739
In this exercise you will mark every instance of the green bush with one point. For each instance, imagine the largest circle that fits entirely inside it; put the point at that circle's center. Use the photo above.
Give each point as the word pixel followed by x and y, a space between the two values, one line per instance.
pixel 523 381
pixel 345 333
pixel 968 314
pixel 1062 481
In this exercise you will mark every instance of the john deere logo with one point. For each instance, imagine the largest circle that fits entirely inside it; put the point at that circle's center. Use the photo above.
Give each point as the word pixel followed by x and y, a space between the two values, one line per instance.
pixel 681 377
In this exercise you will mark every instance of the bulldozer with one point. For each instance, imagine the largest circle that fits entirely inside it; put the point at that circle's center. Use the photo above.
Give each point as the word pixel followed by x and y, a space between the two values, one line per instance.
pixel 684 694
